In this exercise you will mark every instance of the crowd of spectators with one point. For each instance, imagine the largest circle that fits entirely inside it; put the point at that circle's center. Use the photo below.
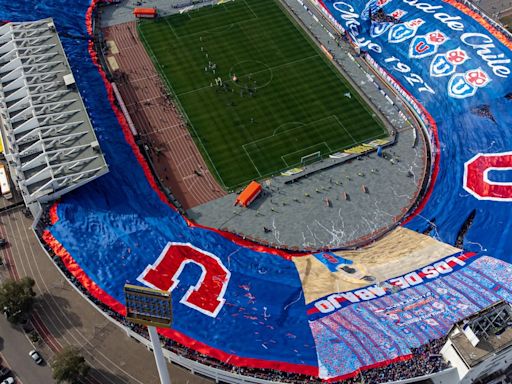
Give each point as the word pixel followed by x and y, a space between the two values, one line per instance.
pixel 381 17
pixel 484 111
pixel 426 358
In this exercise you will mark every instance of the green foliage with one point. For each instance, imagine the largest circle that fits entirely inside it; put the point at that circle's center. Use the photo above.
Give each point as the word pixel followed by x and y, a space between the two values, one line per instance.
pixel 287 101
pixel 69 366
pixel 34 337
pixel 17 298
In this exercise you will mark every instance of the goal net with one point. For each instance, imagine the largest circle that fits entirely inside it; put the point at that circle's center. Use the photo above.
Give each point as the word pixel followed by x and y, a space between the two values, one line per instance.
pixel 311 158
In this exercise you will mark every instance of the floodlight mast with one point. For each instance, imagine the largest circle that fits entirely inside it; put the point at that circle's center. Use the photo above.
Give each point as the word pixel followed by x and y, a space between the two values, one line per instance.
pixel 159 356
pixel 151 308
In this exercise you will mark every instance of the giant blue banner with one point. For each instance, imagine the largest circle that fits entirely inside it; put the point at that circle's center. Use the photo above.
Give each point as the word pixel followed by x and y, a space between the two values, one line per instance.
pixel 117 229
pixel 458 67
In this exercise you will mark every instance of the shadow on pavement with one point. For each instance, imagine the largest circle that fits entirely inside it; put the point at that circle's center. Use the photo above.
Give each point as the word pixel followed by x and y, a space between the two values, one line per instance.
pixel 65 318
pixel 104 376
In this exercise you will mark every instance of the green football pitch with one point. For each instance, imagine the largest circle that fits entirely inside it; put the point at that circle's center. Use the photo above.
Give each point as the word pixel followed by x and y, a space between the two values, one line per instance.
pixel 288 101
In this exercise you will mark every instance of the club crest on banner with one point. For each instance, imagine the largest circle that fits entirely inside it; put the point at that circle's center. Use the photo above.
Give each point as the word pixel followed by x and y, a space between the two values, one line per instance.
pixel 426 45
pixel 402 32
pixel 440 66
pixel 477 78
pixel 398 14
pixel 445 64
pixel 378 29
pixel 436 37
pixel 477 181
pixel 420 47
pixel 458 88
pixel 462 85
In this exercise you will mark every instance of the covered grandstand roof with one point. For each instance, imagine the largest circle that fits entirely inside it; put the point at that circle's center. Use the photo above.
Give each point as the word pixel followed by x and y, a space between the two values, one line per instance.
pixel 490 333
pixel 49 142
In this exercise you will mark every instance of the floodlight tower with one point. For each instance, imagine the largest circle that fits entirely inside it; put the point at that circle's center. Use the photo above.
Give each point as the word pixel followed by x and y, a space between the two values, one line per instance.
pixel 151 308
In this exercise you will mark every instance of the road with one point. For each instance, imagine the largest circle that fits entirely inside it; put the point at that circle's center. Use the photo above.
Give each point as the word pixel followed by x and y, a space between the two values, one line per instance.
pixel 14 348
pixel 64 317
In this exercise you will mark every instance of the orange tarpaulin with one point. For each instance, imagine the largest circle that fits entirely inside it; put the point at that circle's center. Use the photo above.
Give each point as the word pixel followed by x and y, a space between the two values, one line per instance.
pixel 248 194
pixel 144 12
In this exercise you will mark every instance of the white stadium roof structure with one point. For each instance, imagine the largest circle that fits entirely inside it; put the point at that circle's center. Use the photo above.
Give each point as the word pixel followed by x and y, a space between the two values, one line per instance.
pixel 49 142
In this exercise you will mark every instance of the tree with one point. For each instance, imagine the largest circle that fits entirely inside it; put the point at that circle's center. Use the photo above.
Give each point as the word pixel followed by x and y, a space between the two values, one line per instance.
pixel 69 366
pixel 17 298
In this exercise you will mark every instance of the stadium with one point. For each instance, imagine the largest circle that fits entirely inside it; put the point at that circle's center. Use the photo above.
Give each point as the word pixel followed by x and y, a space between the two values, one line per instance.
pixel 322 187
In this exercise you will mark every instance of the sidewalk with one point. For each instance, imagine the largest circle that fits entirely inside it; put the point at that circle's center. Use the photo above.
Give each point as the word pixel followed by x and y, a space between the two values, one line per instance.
pixel 66 318
pixel 14 348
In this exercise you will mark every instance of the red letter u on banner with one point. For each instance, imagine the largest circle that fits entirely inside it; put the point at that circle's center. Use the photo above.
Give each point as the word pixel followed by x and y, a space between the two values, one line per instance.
pixel 207 296
pixel 476 179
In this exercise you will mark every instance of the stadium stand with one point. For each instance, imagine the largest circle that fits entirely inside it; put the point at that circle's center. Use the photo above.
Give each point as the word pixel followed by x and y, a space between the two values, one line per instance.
pixel 426 359
pixel 50 145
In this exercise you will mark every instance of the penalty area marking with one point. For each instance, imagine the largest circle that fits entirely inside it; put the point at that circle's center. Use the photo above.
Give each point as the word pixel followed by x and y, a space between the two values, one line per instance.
pixel 346 130
pixel 299 123
pixel 254 165
pixel 275 134
pixel 303 149
pixel 276 131
pixel 219 29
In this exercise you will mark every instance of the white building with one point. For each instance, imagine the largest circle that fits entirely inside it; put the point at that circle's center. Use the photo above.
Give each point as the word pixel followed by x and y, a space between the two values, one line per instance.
pixel 49 143
pixel 480 346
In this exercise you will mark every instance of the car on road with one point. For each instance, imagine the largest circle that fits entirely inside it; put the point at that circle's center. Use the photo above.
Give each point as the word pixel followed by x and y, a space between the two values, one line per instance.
pixel 3 242
pixel 36 356
pixel 9 380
